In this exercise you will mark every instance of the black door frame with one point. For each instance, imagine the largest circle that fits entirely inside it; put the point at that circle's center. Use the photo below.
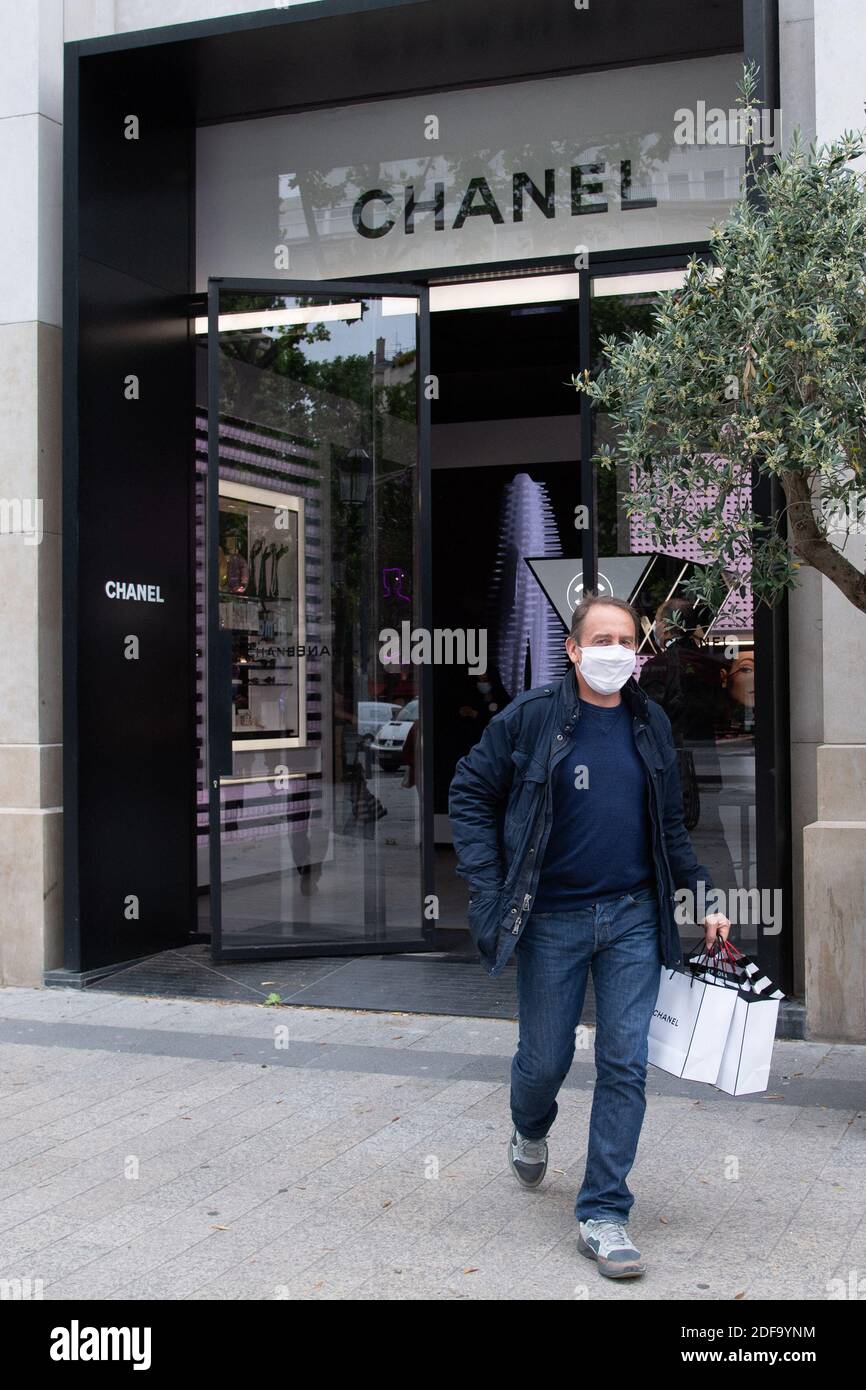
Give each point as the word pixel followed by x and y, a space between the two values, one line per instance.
pixel 216 740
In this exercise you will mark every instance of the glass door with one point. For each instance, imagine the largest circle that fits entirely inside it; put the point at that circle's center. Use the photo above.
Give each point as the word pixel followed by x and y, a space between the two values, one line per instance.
pixel 315 500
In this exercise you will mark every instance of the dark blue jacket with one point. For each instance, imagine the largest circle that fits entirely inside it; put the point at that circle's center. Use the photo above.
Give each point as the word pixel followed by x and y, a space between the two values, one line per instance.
pixel 501 811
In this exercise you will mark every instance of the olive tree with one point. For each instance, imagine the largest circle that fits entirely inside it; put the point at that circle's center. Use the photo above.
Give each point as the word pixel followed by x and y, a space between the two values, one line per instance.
pixel 756 367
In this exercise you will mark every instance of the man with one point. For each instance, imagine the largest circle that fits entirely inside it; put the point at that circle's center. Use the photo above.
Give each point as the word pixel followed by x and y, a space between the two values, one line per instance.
pixel 568 825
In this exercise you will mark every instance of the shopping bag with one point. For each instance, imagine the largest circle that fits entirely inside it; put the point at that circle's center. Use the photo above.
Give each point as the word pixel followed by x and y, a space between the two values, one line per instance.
pixel 748 1053
pixel 745 1065
pixel 690 1023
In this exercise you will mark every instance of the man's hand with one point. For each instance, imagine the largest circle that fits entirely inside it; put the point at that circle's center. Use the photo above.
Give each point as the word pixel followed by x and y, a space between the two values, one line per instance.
pixel 716 925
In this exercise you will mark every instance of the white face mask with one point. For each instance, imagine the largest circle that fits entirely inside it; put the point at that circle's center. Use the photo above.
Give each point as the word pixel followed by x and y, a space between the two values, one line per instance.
pixel 606 669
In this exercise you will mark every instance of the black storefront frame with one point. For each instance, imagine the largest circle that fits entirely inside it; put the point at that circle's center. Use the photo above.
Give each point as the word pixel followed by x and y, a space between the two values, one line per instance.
pixel 85 203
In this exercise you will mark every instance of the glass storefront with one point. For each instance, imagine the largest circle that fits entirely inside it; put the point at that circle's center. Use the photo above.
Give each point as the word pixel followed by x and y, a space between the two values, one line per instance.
pixel 323 805
pixel 310 506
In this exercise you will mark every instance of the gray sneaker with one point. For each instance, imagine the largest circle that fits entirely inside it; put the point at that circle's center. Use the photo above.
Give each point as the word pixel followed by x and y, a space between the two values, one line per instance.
pixel 607 1242
pixel 528 1159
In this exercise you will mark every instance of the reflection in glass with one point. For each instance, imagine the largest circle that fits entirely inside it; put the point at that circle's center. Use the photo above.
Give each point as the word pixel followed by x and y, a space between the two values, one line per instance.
pixel 317 425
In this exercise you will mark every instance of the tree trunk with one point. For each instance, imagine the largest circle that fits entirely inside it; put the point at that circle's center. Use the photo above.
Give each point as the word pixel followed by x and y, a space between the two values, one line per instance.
pixel 813 548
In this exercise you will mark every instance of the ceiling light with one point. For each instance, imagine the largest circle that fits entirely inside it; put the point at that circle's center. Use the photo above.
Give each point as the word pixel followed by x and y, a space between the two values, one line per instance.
pixel 281 318
pixel 494 293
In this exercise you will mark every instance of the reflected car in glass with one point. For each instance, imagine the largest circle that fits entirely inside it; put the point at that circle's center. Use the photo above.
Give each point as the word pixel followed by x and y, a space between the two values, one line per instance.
pixel 389 741
pixel 372 714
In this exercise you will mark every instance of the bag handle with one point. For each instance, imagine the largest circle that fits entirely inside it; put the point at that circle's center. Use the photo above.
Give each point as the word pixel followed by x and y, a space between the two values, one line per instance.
pixel 729 949
pixel 755 983
pixel 717 963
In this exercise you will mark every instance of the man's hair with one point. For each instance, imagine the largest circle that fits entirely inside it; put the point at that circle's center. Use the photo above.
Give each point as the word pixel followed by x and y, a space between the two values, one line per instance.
pixel 591 601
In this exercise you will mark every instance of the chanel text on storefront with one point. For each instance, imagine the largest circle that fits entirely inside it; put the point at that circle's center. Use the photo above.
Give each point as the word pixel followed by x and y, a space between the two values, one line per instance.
pixel 586 182
pixel 137 593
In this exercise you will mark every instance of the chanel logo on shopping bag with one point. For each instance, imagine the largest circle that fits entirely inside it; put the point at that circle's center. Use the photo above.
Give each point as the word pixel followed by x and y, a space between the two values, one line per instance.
pixel 666 1018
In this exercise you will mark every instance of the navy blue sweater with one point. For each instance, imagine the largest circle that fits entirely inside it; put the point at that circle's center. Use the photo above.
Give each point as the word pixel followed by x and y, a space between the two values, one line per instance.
pixel 600 840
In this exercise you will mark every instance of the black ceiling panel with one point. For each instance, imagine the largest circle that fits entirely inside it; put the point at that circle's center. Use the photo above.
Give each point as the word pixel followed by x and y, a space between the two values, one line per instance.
pixel 323 54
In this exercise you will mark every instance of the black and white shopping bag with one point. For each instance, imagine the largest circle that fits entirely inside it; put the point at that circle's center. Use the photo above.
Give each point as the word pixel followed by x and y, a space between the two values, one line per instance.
pixel 692 1019
pixel 745 1064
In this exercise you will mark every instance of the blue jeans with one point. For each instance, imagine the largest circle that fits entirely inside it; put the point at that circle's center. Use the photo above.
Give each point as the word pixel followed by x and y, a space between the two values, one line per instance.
pixel 619 938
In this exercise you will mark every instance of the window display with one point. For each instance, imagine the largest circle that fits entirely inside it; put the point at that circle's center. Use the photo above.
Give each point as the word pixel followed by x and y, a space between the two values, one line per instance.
pixel 260 603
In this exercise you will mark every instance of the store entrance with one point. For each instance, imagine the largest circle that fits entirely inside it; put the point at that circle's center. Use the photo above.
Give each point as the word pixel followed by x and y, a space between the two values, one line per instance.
pixel 338 510
pixel 508 557
pixel 505 481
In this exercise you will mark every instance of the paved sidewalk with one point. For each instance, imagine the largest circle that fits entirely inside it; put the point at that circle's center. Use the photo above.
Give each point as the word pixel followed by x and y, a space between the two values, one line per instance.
pixel 174 1149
